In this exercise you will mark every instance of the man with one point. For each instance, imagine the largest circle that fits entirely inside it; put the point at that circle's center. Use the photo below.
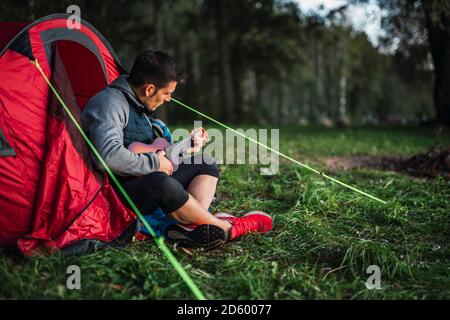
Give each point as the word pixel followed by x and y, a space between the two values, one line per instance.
pixel 121 114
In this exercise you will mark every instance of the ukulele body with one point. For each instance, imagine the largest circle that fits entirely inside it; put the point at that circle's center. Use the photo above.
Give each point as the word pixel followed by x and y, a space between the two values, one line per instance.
pixel 159 144
pixel 174 151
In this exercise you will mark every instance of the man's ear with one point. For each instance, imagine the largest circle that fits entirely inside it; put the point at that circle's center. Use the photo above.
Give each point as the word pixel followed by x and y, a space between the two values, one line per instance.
pixel 149 90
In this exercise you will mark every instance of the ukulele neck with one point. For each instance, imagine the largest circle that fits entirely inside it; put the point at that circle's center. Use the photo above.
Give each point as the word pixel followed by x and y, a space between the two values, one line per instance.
pixel 178 148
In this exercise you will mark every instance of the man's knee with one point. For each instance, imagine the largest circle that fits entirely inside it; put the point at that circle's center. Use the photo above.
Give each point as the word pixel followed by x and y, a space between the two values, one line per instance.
pixel 162 182
pixel 168 185
pixel 200 159
pixel 171 192
pixel 208 160
pixel 209 166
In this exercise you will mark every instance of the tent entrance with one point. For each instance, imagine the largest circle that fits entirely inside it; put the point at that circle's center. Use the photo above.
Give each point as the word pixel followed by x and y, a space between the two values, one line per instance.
pixel 76 85
pixel 83 69
pixel 5 148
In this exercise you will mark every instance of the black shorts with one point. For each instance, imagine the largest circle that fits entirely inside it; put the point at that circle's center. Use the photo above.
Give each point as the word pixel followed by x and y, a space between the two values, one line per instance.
pixel 157 189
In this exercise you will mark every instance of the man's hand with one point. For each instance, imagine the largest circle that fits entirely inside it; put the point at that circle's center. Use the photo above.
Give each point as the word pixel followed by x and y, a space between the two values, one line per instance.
pixel 199 141
pixel 164 164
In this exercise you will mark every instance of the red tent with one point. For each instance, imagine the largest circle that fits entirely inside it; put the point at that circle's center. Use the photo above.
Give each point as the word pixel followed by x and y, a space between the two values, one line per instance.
pixel 50 194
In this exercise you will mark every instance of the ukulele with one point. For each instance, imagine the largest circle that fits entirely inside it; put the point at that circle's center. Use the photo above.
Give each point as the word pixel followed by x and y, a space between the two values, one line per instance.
pixel 173 151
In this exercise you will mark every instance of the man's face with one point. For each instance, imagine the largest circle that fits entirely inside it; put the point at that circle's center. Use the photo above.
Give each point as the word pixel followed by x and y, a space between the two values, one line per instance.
pixel 153 99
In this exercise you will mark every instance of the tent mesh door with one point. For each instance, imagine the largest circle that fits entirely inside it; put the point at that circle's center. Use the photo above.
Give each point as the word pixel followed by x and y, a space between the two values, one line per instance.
pixel 5 148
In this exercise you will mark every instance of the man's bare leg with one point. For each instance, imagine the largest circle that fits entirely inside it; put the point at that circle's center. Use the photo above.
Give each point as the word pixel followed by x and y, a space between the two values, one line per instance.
pixel 193 212
pixel 202 188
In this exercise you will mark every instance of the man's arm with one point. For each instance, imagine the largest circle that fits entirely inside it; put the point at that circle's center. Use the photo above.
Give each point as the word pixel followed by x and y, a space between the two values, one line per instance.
pixel 104 118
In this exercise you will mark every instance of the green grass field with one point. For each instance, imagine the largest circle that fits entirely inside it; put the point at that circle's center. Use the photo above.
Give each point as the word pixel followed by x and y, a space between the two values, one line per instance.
pixel 324 236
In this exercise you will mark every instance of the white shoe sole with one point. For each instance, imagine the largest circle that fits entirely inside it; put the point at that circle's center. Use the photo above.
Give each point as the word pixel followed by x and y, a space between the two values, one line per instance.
pixel 227 215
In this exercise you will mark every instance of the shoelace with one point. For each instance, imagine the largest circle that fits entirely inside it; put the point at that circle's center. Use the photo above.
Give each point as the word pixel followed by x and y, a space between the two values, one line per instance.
pixel 244 225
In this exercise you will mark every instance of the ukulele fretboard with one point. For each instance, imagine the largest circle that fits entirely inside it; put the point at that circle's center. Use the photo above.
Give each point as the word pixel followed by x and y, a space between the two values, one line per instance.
pixel 174 150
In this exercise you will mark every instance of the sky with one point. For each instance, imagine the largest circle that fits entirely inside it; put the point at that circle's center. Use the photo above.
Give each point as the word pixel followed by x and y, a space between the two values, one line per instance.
pixel 363 17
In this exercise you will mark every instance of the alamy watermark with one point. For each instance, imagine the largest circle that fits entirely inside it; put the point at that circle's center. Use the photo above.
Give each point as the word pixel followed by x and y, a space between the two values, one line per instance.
pixel 234 148
pixel 374 280
pixel 74 279
pixel 74 20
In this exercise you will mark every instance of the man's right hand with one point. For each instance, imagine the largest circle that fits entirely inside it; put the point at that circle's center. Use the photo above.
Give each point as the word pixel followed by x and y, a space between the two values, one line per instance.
pixel 164 164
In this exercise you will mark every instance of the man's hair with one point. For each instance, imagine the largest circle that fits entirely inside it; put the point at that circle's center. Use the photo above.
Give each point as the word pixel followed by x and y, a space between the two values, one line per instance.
pixel 155 67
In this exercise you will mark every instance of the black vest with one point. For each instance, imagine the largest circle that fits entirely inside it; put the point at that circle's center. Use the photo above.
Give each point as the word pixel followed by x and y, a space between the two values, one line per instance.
pixel 138 129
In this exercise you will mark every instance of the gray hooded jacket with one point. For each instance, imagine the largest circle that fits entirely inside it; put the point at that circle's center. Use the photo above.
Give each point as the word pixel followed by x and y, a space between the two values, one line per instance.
pixel 104 118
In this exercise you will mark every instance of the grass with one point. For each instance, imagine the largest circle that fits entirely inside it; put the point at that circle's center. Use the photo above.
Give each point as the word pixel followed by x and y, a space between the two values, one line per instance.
pixel 324 238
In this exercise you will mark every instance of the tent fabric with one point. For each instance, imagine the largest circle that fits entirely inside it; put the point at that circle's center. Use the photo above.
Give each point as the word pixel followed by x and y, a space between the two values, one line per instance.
pixel 50 194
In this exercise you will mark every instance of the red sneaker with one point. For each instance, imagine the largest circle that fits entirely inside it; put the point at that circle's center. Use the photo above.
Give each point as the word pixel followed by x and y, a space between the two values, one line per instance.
pixel 140 236
pixel 253 221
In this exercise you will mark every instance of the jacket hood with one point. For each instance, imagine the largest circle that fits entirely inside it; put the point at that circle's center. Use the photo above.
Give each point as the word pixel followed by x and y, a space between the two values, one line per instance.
pixel 122 84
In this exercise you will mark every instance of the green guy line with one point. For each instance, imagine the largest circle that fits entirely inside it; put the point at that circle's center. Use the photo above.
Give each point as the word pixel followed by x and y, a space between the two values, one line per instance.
pixel 159 240
pixel 281 154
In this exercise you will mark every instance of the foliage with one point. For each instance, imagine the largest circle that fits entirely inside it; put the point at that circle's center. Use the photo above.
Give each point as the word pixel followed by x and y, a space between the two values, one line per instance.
pixel 324 238
pixel 266 61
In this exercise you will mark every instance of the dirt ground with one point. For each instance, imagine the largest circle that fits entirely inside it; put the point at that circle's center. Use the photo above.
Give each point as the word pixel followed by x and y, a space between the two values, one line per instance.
pixel 434 163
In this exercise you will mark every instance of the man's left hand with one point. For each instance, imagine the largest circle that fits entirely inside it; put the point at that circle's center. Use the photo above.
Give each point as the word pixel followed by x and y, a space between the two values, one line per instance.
pixel 199 141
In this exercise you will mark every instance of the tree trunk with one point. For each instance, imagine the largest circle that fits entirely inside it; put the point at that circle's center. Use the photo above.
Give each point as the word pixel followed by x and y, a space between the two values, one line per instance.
pixel 224 74
pixel 438 27
pixel 320 81
pixel 328 64
pixel 280 114
pixel 259 106
pixel 342 81
pixel 316 90
pixel 158 5
pixel 236 77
